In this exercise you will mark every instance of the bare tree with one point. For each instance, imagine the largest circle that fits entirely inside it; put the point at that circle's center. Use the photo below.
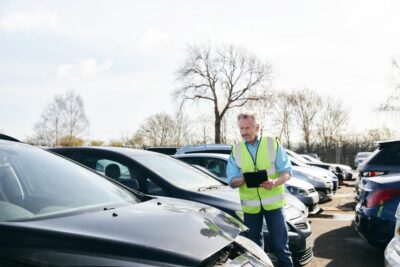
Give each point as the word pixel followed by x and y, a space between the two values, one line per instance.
pixel 307 105
pixel 63 119
pixel 162 129
pixel 226 77
pixel 283 110
pixel 392 103
pixel 181 134
pixel 332 120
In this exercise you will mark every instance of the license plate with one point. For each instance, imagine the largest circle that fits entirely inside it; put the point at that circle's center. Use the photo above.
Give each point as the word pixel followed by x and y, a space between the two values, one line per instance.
pixel 308 241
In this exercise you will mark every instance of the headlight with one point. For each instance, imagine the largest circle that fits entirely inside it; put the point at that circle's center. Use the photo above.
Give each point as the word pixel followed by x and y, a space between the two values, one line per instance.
pixel 296 191
pixel 254 249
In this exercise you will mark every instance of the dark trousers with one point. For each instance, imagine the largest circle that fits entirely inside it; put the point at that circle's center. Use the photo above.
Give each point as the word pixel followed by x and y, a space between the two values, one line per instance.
pixel 278 233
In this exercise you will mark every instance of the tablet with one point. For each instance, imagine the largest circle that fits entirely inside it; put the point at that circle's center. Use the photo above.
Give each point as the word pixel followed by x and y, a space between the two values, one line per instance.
pixel 254 179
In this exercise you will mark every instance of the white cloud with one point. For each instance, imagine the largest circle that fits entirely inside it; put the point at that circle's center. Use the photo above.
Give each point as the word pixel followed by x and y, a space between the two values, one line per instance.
pixel 87 68
pixel 25 21
pixel 153 37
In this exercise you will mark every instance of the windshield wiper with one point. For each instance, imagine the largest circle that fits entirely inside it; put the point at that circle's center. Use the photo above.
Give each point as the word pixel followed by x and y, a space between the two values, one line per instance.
pixel 210 187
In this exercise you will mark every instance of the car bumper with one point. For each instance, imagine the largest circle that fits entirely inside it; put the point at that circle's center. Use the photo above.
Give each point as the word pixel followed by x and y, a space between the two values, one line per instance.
pixel 392 253
pixel 375 230
pixel 311 202
pixel 325 193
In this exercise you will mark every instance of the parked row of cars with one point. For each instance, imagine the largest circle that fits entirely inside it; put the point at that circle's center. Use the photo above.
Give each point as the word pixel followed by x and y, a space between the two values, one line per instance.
pixel 308 177
pixel 378 193
pixel 55 212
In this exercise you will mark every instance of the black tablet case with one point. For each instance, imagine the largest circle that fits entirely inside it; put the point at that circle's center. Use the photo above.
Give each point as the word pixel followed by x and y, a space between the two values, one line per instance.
pixel 254 179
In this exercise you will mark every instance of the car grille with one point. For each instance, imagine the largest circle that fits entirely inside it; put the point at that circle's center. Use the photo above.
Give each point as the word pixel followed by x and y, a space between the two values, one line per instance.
pixel 312 190
pixel 304 257
pixel 301 226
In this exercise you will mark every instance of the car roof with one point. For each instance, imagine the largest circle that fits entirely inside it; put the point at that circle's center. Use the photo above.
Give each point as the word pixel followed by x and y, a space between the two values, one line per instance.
pixel 9 138
pixel 218 148
pixel 201 155
pixel 122 150
pixel 387 142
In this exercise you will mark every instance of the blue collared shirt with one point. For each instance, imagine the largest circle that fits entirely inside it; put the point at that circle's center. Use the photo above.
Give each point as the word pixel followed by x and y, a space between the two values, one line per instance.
pixel 282 161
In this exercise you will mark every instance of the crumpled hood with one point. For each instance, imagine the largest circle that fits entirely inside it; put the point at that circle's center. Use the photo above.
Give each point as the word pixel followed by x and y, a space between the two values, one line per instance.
pixel 153 229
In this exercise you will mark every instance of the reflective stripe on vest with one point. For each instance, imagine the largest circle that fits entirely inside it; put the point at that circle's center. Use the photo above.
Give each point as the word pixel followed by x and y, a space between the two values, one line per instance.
pixel 256 203
pixel 252 199
pixel 271 152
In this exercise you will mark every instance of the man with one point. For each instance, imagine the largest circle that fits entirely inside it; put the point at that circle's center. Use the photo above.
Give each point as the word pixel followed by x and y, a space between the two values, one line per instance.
pixel 267 200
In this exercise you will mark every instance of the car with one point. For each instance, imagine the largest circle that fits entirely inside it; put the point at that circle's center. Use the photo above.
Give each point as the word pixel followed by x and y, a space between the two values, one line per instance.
pixel 295 202
pixel 167 150
pixel 375 211
pixel 392 250
pixel 57 213
pixel 207 148
pixel 345 169
pixel 158 174
pixel 313 155
pixel 324 181
pixel 360 157
pixel 321 179
pixel 217 163
pixel 336 172
pixel 384 160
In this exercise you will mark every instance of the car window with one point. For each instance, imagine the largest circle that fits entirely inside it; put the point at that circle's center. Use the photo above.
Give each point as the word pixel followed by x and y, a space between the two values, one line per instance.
pixel 193 160
pixel 41 182
pixel 216 166
pixel 387 155
pixel 176 172
pixel 113 168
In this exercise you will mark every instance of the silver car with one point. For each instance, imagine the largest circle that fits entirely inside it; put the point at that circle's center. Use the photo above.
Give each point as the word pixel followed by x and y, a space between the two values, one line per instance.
pixel 216 164
pixel 392 251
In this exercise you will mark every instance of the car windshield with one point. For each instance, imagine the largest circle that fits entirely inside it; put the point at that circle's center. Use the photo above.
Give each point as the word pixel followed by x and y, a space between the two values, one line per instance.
pixel 296 156
pixel 297 162
pixel 35 183
pixel 177 172
pixel 311 159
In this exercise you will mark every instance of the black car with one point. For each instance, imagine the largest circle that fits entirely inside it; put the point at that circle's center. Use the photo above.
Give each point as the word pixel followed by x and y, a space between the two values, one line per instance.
pixel 384 160
pixel 157 174
pixel 54 212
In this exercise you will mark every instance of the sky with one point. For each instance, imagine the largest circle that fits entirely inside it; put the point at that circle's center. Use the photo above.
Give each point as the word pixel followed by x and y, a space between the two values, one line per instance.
pixel 121 57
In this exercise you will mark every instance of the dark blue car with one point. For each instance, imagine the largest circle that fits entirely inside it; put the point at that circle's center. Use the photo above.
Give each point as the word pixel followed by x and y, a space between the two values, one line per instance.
pixel 375 212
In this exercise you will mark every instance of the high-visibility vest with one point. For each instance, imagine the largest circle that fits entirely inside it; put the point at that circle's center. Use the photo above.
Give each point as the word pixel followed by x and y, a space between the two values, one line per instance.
pixel 253 198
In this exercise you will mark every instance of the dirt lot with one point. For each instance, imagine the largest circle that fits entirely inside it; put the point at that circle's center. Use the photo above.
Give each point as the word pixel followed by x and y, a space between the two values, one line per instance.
pixel 336 242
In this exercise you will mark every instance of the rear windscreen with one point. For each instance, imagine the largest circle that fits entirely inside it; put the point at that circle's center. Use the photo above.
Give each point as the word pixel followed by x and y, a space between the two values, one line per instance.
pixel 387 155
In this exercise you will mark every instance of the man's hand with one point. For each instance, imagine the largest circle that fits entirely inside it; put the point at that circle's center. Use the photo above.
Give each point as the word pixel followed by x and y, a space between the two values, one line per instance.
pixel 237 181
pixel 268 184
pixel 283 177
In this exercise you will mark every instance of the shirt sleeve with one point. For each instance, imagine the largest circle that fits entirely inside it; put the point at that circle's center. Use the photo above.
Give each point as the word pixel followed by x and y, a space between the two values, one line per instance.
pixel 283 163
pixel 232 170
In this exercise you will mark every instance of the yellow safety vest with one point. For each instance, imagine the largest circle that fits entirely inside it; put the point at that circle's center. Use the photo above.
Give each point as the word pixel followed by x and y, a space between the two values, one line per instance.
pixel 253 198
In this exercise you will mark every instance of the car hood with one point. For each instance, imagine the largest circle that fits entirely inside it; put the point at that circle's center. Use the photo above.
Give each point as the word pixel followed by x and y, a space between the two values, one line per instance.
pixel 316 172
pixel 162 228
pixel 294 209
pixel 295 181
